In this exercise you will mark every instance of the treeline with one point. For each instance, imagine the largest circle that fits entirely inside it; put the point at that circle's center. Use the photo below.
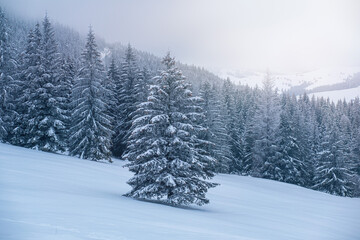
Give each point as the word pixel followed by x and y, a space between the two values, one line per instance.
pixel 173 139
pixel 308 142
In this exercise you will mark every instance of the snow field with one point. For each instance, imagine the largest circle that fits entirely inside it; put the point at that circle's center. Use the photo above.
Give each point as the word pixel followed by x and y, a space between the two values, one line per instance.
pixel 55 197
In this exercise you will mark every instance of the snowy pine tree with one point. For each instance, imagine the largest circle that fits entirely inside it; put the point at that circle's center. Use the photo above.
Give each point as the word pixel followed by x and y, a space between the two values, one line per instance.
pixel 266 122
pixel 162 151
pixel 141 88
pixel 112 84
pixel 248 135
pixel 217 131
pixel 47 116
pixel 333 173
pixel 289 159
pixel 354 116
pixel 30 87
pixel 66 80
pixel 203 144
pixel 127 101
pixel 90 134
pixel 41 121
pixel 308 136
pixel 230 122
pixel 7 66
pixel 209 108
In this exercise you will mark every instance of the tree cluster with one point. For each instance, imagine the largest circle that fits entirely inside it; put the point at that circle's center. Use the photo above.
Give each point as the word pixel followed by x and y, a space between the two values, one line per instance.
pixel 51 102
pixel 174 135
pixel 312 143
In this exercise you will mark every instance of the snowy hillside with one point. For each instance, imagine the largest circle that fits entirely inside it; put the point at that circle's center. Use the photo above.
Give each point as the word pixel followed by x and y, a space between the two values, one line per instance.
pixel 337 95
pixel 308 81
pixel 49 196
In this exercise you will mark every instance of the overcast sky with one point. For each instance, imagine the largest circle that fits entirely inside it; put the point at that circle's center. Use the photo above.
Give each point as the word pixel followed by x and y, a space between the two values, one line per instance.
pixel 280 35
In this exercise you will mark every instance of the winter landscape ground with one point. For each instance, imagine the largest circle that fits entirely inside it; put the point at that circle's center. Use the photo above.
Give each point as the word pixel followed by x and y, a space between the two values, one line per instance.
pixel 49 196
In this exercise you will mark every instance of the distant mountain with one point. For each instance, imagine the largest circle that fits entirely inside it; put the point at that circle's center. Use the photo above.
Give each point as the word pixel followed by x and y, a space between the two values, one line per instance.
pixel 326 81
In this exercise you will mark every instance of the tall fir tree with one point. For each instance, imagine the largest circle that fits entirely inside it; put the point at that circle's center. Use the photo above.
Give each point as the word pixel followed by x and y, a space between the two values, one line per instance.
pixel 7 88
pixel 30 79
pixel 248 134
pixel 162 150
pixel 203 144
pixel 66 80
pixel 289 160
pixel 41 123
pixel 266 123
pixel 90 134
pixel 141 88
pixel 129 74
pixel 354 116
pixel 333 173
pixel 308 136
pixel 230 121
pixel 47 129
pixel 210 110
pixel 112 83
pixel 217 130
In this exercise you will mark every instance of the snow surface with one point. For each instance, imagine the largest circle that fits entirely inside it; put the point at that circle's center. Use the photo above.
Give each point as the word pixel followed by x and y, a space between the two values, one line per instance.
pixel 46 196
pixel 337 95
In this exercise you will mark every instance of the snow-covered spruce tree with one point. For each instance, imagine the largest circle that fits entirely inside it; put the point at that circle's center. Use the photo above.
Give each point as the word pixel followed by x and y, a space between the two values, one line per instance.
pixel 162 151
pixel 247 135
pixel 201 143
pixel 242 134
pixel 355 123
pixel 66 80
pixel 140 92
pixel 217 132
pixel 141 86
pixel 356 156
pixel 47 130
pixel 90 134
pixel 289 159
pixel 308 136
pixel 230 122
pixel 332 174
pixel 30 78
pixel 210 110
pixel 7 66
pixel 266 122
pixel 111 82
pixel 126 96
pixel 40 123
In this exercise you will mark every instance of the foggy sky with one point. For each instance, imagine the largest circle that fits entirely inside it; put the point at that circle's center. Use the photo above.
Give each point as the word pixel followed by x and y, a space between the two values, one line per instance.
pixel 281 35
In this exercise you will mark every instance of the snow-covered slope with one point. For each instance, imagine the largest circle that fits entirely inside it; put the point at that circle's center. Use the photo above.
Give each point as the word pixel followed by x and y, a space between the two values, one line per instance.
pixel 309 80
pixel 48 196
pixel 337 95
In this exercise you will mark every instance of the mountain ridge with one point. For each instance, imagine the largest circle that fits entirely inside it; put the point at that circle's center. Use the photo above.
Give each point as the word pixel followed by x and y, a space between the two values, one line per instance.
pixel 316 81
